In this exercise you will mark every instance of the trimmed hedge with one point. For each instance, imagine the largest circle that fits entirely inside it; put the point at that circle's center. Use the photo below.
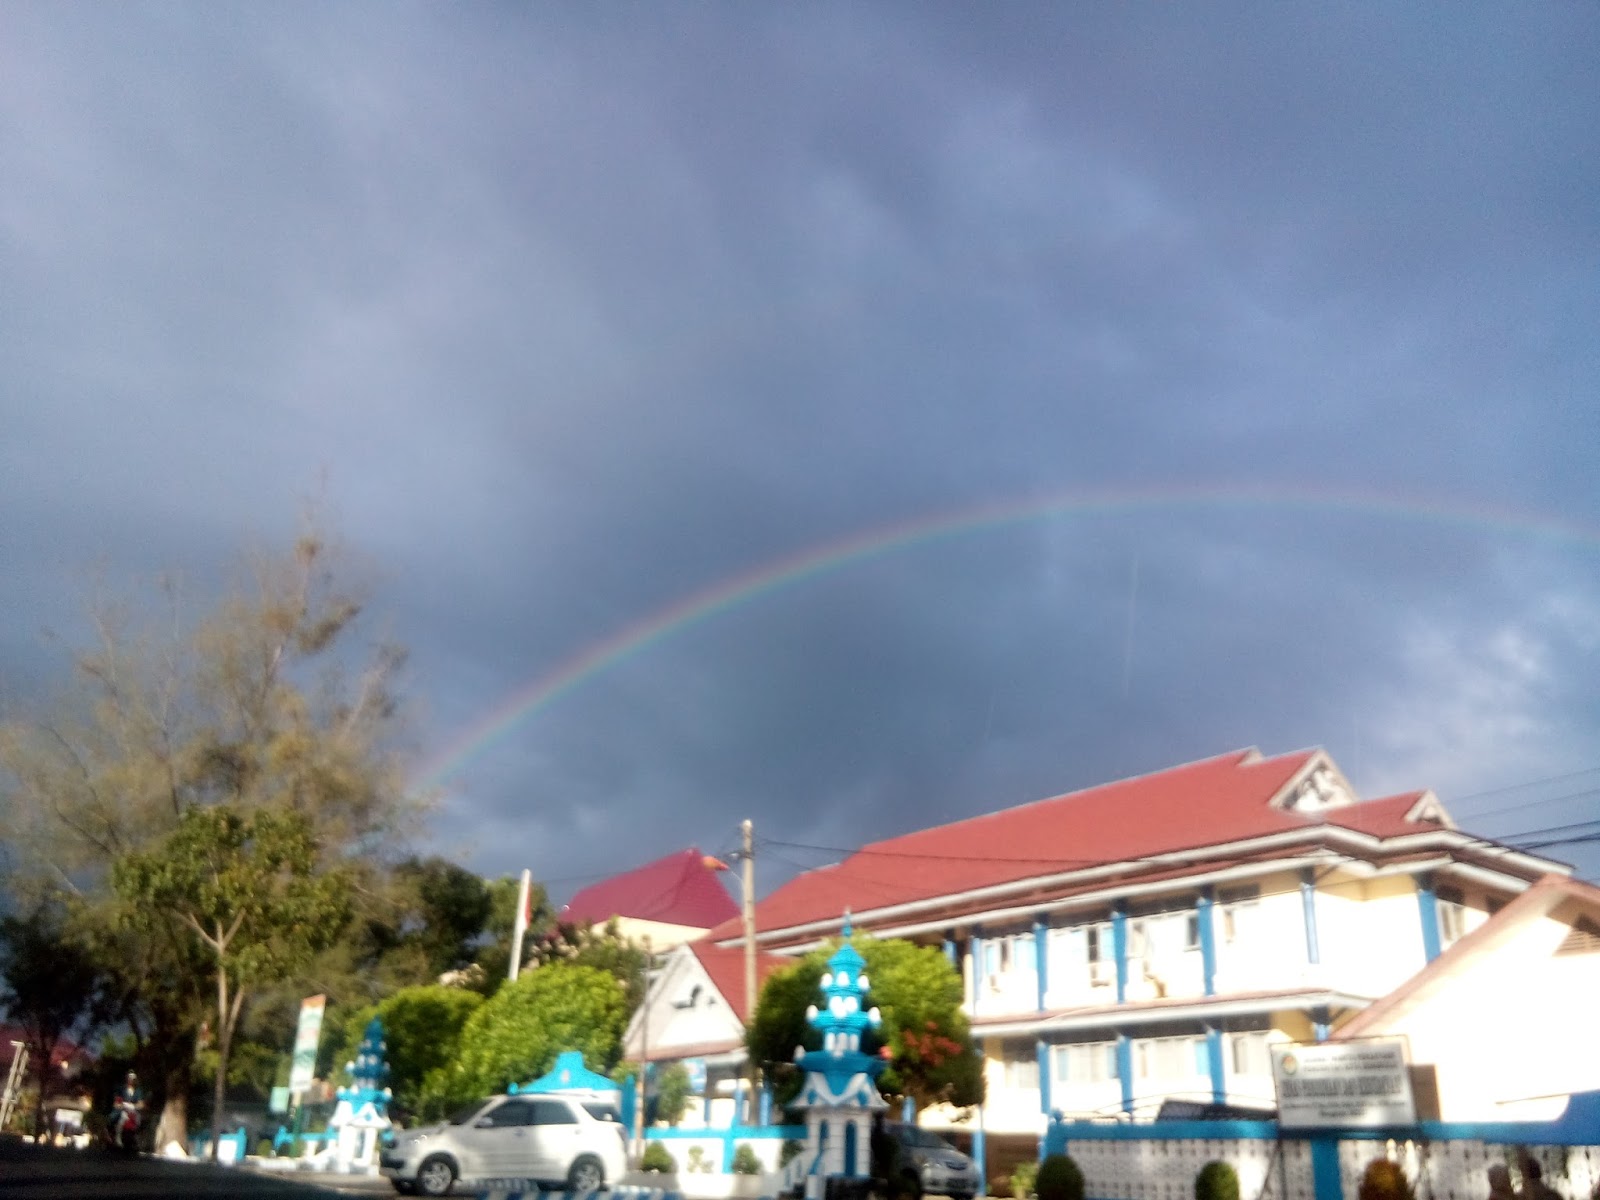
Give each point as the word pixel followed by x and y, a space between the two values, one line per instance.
pixel 1060 1179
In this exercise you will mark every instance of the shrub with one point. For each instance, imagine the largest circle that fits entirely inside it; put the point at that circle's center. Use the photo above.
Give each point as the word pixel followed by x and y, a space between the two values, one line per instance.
pixel 264 1148
pixel 745 1161
pixel 1060 1179
pixel 1023 1178
pixel 1217 1181
pixel 1384 1180
pixel 656 1158
pixel 698 1162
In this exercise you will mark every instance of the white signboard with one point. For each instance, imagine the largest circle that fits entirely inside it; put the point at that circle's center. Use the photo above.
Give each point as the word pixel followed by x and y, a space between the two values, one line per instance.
pixel 1349 1085
pixel 303 1068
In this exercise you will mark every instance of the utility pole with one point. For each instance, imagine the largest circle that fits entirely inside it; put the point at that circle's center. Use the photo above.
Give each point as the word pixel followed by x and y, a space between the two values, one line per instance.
pixel 520 925
pixel 749 861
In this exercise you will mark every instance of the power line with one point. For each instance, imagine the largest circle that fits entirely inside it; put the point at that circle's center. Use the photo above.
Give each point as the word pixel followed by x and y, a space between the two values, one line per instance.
pixel 1517 787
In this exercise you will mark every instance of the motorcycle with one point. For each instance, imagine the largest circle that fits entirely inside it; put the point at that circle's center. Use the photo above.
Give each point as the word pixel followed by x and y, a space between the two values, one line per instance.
pixel 123 1128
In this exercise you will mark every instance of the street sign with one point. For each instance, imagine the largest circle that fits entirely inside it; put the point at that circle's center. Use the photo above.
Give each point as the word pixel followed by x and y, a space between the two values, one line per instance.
pixel 1343 1085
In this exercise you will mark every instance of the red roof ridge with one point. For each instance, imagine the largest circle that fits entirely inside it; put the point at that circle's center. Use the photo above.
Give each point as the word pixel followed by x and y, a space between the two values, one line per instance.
pixel 675 889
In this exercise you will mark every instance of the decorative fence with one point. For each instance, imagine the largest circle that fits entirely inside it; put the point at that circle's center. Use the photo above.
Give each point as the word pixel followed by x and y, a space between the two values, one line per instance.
pixel 1443 1160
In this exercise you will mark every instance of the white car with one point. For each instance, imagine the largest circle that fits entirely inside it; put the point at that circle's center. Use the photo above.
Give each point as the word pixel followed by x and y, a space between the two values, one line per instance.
pixel 578 1144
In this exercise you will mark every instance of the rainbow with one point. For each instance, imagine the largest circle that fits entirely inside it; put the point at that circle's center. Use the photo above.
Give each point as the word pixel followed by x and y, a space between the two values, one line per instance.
pixel 766 578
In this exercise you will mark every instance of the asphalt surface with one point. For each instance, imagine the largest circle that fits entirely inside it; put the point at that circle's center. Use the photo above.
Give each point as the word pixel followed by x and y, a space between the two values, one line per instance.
pixel 51 1173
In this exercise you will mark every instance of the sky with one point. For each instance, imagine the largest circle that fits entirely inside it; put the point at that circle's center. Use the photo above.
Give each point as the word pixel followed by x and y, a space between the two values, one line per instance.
pixel 848 417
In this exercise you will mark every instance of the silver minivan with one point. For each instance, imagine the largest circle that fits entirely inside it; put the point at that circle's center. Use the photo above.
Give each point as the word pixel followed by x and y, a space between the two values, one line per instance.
pixel 557 1140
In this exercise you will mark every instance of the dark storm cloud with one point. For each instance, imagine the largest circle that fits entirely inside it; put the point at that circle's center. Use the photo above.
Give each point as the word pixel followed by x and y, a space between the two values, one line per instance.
pixel 583 312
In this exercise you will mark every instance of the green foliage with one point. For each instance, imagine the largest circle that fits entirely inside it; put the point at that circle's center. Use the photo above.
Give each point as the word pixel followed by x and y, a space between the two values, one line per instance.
pixel 1384 1179
pixel 586 946
pixel 745 1161
pixel 1216 1181
pixel 699 1164
pixel 791 1149
pixel 1058 1179
pixel 1023 1178
pixel 671 1093
pixel 264 1149
pixel 515 1035
pixel 656 1158
pixel 932 1055
pixel 422 1027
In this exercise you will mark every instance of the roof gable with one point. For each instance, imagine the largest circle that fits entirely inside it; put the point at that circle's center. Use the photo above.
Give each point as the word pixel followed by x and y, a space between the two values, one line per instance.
pixel 679 889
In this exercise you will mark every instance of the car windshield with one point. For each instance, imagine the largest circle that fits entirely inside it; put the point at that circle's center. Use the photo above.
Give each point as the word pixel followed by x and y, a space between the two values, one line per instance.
pixel 929 1141
pixel 603 1112
pixel 462 1116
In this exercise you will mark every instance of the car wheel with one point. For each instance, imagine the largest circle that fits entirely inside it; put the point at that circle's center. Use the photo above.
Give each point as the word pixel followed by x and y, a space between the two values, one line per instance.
pixel 587 1175
pixel 436 1176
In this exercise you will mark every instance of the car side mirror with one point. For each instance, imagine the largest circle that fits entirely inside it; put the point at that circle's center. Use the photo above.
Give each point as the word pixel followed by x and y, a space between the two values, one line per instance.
pixel 483 1123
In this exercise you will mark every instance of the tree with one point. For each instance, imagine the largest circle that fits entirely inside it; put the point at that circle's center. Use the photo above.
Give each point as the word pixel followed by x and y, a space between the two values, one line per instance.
pixel 49 984
pixel 672 1093
pixel 260 703
pixel 930 1051
pixel 423 1027
pixel 246 886
pixel 517 1033
pixel 605 948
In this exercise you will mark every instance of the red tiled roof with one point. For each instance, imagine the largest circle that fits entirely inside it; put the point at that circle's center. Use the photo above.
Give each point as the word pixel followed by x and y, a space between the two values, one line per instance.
pixel 680 889
pixel 725 966
pixel 1212 802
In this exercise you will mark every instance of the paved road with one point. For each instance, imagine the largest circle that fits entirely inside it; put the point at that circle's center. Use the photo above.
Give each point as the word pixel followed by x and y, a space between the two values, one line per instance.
pixel 48 1173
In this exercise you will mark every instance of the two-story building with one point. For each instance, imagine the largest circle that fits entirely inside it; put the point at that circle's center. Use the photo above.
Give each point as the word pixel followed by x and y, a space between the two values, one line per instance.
pixel 1149 939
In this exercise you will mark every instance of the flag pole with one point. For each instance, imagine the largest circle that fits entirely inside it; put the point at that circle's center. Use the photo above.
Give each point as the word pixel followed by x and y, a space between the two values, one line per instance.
pixel 521 926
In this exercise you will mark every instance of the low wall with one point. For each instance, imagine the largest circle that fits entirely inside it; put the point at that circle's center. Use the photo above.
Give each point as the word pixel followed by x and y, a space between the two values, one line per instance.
pixel 1444 1161
pixel 716 1147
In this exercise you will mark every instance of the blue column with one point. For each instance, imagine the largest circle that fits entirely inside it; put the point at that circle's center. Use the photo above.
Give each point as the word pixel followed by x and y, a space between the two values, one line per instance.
pixel 1308 905
pixel 766 1103
pixel 1205 911
pixel 1320 1025
pixel 1042 1049
pixel 1428 907
pixel 705 1106
pixel 975 961
pixel 1125 1070
pixel 1326 1183
pixel 1219 1081
pixel 908 1111
pixel 950 951
pixel 979 1157
pixel 1041 959
pixel 1119 947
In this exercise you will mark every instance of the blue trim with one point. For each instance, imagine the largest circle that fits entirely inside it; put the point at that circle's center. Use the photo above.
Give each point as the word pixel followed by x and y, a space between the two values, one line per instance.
pixel 979 1154
pixel 1041 960
pixel 766 1103
pixel 1125 1070
pixel 1219 1080
pixel 1321 1026
pixel 950 951
pixel 1204 917
pixel 908 1110
pixel 1326 1181
pixel 850 1137
pixel 741 1133
pixel 1119 947
pixel 1041 1050
pixel 1428 909
pixel 1308 907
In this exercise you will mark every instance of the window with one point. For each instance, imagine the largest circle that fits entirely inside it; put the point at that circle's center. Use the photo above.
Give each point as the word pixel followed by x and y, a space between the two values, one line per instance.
pixel 1452 915
pixel 1239 906
pixel 1169 1058
pixel 1084 1062
pixel 1248 1053
pixel 552 1112
pixel 1009 954
pixel 1022 1071
pixel 512 1112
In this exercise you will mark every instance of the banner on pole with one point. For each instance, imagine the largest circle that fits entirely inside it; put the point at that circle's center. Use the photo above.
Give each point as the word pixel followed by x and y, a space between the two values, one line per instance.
pixel 307 1034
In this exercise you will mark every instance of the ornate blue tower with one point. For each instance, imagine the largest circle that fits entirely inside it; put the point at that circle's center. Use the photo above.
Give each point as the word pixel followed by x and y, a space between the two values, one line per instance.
pixel 362 1113
pixel 840 1094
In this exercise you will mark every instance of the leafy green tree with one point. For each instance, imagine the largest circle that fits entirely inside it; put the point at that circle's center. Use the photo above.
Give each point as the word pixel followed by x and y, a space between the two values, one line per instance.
pixel 930 1052
pixel 517 1033
pixel 604 948
pixel 423 1027
pixel 672 1093
pixel 246 886
pixel 258 703
pixel 494 950
pixel 50 986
